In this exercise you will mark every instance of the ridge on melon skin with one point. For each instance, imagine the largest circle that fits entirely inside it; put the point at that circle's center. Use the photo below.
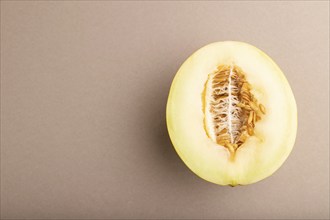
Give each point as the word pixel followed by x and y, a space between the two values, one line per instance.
pixel 193 128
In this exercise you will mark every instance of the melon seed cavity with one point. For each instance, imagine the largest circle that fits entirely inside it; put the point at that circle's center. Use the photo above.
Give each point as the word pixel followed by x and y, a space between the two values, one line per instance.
pixel 230 109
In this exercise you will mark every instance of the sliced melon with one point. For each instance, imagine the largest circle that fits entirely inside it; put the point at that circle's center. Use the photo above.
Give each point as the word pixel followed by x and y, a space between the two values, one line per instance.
pixel 231 114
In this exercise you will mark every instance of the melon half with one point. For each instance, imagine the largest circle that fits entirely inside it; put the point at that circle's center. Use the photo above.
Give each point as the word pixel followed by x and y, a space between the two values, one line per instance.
pixel 231 114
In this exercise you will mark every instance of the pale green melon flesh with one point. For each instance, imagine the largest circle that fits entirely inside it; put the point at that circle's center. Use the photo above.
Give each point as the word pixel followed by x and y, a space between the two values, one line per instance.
pixel 260 155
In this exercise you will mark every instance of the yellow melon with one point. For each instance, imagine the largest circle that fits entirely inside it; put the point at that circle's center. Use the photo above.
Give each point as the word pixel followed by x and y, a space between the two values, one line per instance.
pixel 231 114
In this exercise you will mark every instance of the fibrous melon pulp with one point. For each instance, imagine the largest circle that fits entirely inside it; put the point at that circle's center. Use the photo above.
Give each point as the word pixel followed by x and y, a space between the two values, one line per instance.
pixel 231 114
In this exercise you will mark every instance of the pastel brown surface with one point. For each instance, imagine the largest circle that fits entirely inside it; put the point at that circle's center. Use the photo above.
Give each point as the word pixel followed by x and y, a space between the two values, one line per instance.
pixel 83 93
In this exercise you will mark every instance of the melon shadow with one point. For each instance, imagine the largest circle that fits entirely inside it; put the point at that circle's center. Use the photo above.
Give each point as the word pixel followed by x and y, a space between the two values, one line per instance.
pixel 167 159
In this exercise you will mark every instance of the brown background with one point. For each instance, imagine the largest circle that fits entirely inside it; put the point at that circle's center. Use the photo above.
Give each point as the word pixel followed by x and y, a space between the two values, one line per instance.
pixel 83 93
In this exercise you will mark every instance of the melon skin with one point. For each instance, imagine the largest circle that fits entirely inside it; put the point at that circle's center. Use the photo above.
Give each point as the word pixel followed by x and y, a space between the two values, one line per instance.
pixel 260 156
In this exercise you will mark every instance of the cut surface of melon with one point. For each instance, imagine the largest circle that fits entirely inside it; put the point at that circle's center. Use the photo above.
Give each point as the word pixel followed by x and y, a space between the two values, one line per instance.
pixel 231 114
